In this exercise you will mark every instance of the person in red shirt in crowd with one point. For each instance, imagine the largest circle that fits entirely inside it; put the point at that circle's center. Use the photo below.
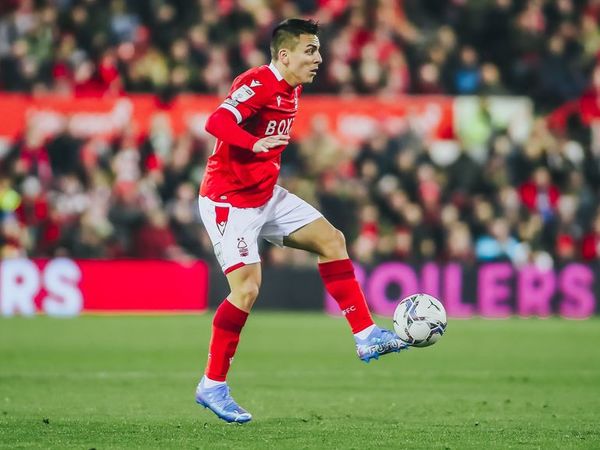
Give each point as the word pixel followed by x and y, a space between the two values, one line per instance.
pixel 154 239
pixel 539 194
pixel 240 202
pixel 590 245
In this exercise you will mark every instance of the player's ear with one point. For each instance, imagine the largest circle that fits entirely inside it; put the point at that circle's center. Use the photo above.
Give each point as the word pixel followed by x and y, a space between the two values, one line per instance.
pixel 283 55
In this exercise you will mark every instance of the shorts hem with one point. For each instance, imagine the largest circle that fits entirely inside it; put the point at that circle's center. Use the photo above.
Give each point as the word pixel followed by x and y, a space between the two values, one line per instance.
pixel 236 266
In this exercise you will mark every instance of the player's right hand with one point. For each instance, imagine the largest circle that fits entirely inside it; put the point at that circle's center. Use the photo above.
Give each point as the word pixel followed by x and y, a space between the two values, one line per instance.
pixel 267 143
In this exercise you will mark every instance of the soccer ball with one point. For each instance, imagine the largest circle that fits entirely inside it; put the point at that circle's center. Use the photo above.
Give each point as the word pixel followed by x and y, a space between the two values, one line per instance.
pixel 420 320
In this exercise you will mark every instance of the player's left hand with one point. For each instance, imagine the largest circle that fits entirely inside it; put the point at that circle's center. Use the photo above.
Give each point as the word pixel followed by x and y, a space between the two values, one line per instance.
pixel 267 143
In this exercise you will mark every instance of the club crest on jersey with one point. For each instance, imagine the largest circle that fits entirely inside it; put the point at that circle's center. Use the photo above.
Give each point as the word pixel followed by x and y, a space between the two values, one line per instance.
pixel 221 217
pixel 242 94
pixel 242 247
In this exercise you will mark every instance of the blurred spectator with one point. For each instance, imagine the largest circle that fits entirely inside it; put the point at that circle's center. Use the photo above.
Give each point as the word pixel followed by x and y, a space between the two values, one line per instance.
pixel 13 239
pixel 497 243
pixel 459 245
pixel 559 80
pixel 30 157
pixel 10 199
pixel 591 241
pixel 539 194
pixel 154 239
pixel 467 76
pixel 183 213
pixel 490 81
pixel 316 163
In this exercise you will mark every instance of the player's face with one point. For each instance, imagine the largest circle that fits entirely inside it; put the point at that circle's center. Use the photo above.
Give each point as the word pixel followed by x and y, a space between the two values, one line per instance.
pixel 304 60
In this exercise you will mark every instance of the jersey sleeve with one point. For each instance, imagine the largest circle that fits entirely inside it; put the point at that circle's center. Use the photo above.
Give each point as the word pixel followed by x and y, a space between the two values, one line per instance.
pixel 247 96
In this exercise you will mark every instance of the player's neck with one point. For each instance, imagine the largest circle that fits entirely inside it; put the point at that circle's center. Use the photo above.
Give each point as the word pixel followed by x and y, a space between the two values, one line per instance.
pixel 289 77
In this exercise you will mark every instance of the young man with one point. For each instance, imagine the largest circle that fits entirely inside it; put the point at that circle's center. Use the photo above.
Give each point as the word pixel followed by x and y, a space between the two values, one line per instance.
pixel 240 202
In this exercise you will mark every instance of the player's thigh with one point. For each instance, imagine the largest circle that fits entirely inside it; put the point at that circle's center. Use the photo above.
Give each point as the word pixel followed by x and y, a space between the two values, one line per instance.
pixel 286 214
pixel 316 237
pixel 233 233
pixel 245 280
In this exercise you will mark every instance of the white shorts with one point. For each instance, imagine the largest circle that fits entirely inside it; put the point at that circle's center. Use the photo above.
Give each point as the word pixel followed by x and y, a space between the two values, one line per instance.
pixel 234 232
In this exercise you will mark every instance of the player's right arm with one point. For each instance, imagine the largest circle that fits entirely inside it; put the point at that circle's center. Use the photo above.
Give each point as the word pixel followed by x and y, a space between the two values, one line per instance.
pixel 222 125
pixel 242 103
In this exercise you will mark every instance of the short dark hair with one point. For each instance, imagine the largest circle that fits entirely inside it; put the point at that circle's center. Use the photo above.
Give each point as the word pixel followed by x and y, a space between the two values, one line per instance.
pixel 288 31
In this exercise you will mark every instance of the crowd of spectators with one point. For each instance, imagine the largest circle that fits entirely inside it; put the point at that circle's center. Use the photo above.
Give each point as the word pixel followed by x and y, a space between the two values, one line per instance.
pixel 541 48
pixel 394 198
pixel 136 196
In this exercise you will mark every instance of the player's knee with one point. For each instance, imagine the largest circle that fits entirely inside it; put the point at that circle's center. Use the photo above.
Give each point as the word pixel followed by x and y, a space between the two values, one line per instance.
pixel 246 293
pixel 334 245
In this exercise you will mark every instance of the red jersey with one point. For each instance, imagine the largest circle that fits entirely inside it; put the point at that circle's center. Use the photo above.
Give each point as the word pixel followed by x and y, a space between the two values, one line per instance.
pixel 264 104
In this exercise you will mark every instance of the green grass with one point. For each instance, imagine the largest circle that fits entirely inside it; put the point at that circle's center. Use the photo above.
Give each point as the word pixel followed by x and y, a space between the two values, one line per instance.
pixel 123 382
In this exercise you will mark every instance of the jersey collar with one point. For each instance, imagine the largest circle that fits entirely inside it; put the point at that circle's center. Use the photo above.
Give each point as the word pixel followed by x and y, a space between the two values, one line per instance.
pixel 276 72
pixel 278 75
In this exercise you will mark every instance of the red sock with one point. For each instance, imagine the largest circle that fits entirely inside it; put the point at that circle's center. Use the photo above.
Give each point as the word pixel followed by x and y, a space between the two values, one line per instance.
pixel 341 284
pixel 227 326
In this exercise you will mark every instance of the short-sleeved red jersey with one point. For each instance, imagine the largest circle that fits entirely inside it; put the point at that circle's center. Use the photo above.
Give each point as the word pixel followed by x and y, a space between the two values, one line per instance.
pixel 264 104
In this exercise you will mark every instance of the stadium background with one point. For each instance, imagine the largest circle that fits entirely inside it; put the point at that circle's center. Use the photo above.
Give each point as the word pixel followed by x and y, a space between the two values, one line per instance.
pixel 437 132
pixel 455 142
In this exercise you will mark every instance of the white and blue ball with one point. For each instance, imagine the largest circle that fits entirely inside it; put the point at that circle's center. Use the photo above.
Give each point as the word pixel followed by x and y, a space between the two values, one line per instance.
pixel 420 320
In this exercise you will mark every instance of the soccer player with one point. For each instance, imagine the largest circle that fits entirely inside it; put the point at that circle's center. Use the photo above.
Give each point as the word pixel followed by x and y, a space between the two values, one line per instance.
pixel 240 202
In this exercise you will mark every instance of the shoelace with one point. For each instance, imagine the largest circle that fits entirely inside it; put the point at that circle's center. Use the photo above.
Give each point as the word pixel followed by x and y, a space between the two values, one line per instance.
pixel 380 339
pixel 223 400
pixel 386 334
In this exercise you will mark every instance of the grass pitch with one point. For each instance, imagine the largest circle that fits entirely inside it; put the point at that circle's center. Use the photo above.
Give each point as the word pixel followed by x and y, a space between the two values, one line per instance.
pixel 128 382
